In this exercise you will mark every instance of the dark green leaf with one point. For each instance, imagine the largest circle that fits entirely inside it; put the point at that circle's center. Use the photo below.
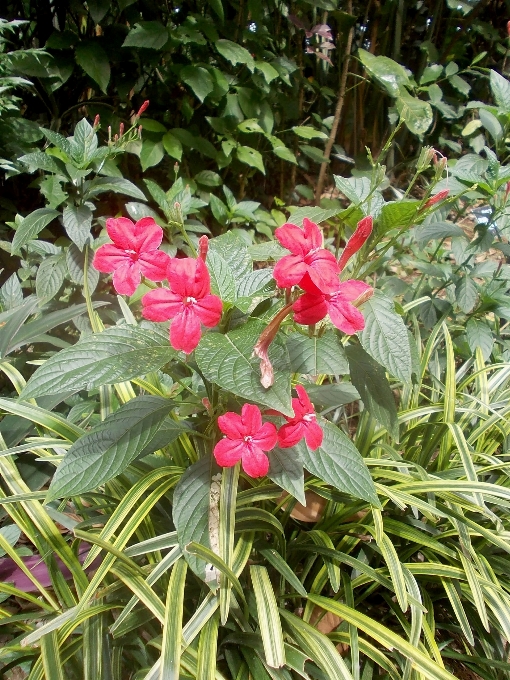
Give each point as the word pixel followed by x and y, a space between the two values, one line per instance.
pixel 50 277
pixel 117 185
pixel 116 354
pixel 338 462
pixel 106 451
pixel 12 321
pixel 198 79
pixel 317 355
pixel 251 157
pixel 235 54
pixel 501 90
pixel 308 132
pixel 172 145
pixel 75 260
pixel 148 34
pixel 77 223
pixel 286 470
pixel 436 230
pixel 94 61
pixel 98 9
pixel 416 113
pixel 479 334
pixel 11 293
pixel 391 75
pixel 397 214
pixel 466 294
pixel 31 226
pixel 151 154
pixel 332 395
pixel 369 378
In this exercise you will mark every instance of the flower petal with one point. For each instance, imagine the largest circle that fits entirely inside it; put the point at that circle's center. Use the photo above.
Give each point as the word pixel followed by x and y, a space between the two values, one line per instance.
pixel 189 277
pixel 290 434
pixel 312 233
pixel 228 452
pixel 293 238
pixel 108 258
pixel 363 231
pixel 209 309
pixel 255 462
pixel 252 419
pixel 352 289
pixel 122 232
pixel 161 304
pixel 313 435
pixel 232 425
pixel 154 264
pixel 309 309
pixel 148 234
pixel 323 270
pixel 185 331
pixel 266 437
pixel 345 316
pixel 126 278
pixel 289 271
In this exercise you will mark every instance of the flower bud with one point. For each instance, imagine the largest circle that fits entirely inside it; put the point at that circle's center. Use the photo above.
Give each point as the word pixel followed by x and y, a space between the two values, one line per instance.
pixel 508 28
pixel 121 129
pixel 143 108
pixel 427 155
pixel 440 196
pixel 203 247
pixel 96 122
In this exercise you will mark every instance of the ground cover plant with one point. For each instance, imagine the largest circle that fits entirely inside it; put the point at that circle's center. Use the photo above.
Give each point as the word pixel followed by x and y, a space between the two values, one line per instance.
pixel 246 439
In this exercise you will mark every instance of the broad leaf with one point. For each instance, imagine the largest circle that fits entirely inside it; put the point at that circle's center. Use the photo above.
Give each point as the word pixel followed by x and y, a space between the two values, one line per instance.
pixel 31 226
pixel 151 154
pixel 77 223
pixel 198 80
pixel 479 334
pixel 286 470
pixel 317 355
pixel 11 322
pixel 369 378
pixel 227 361
pixel 466 294
pixel 148 34
pixel 172 145
pixel 339 463
pixel 252 157
pixel 397 214
pixel 11 293
pixel 385 336
pixel 391 75
pixel 50 277
pixel 437 230
pixel 501 90
pixel 191 502
pixel 308 132
pixel 234 53
pixel 115 355
pixel 332 395
pixel 314 214
pixel 75 260
pixel 106 451
pixel 117 185
pixel 222 279
pixel 416 113
pixel 94 61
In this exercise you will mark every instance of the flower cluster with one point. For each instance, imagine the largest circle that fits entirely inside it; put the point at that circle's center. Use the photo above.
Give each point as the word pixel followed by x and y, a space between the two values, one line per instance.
pixel 248 439
pixel 135 253
pixel 315 270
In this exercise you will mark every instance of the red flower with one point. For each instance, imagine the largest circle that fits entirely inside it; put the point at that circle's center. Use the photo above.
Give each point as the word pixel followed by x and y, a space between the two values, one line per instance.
pixel 134 252
pixel 308 260
pixel 441 195
pixel 246 440
pixel 313 306
pixel 363 231
pixel 188 302
pixel 304 424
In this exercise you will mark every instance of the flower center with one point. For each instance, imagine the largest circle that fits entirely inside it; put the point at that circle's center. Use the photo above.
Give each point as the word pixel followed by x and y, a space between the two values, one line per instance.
pixel 132 254
pixel 308 417
pixel 248 440
pixel 190 301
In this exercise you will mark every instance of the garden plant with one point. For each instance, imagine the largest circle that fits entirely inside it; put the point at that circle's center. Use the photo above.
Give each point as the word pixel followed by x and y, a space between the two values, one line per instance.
pixel 255 374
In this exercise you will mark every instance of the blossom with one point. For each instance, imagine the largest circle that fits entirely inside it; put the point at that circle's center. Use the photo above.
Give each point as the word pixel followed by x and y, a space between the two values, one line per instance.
pixel 357 240
pixel 308 260
pixel 440 196
pixel 134 252
pixel 247 439
pixel 303 424
pixel 188 302
pixel 313 306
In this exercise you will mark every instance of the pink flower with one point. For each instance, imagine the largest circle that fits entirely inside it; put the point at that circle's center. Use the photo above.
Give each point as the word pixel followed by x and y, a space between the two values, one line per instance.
pixel 357 240
pixel 247 439
pixel 134 252
pixel 440 196
pixel 308 260
pixel 188 302
pixel 304 424
pixel 313 306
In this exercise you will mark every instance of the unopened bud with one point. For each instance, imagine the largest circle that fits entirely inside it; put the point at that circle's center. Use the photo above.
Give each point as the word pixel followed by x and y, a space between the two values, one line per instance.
pixel 207 404
pixel 116 138
pixel 143 108
pixel 363 297
pixel 109 133
pixel 426 157
pixel 507 191
pixel 96 122
pixel 440 196
pixel 139 131
pixel 508 28
pixel 121 129
pixel 203 247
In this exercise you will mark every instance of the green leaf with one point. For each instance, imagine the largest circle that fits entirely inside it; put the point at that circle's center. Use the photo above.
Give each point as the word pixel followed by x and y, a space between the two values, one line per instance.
pixel 466 294
pixel 317 355
pixel 198 80
pixel 50 277
pixel 251 157
pixel 333 395
pixel 151 35
pixel 285 154
pixel 491 124
pixel 208 178
pixel 12 320
pixel 94 61
pixel 391 75
pixel 190 511
pixel 58 140
pixel 107 450
pixel 172 627
pixel 151 154
pixel 479 334
pixel 75 260
pixel 172 146
pixel 460 84
pixel 268 617
pixel 217 7
pixel 235 54
pixel 117 185
pixel 314 214
pixel 339 463
pixel 31 226
pixel 77 223
pixel 286 470
pixel 385 336
pixel 313 153
pixel 263 252
pixel 269 72
pixel 222 280
pixel 117 354
pixel 235 253
pixel 308 132
pixel 11 293
pixel 98 9
pixel 437 230
pixel 416 113
pixel 253 288
pixel 42 161
pixel 227 361
pixel 51 189
pixel 397 214
pixel 500 87
pixel 369 378
pixel 431 74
